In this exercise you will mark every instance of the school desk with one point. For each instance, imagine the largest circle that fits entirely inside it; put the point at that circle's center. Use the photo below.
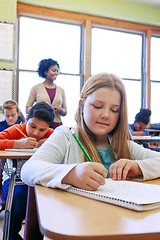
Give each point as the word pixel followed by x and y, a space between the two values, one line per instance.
pixel 66 216
pixel 14 156
pixel 153 132
pixel 148 139
pixel 153 140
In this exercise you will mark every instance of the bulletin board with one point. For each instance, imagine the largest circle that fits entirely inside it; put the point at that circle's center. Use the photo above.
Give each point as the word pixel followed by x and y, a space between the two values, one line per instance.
pixel 7 41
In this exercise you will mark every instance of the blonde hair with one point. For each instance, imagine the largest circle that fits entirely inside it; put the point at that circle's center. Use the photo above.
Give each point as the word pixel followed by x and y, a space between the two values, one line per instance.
pixel 120 133
pixel 10 104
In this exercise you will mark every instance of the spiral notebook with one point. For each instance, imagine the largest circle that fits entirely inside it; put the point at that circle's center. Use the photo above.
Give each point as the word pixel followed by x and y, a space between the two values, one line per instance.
pixel 128 194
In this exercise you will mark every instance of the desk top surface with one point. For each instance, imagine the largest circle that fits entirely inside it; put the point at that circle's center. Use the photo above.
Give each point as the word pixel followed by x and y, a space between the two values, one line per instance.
pixel 153 130
pixel 15 155
pixel 68 216
pixel 146 138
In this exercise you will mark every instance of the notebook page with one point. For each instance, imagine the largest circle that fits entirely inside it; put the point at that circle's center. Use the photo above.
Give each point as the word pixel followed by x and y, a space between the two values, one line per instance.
pixel 127 191
pixel 21 150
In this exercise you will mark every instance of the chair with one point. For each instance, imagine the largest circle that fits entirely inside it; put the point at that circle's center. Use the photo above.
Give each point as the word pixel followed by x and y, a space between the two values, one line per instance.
pixel 2 200
pixel 14 173
pixel 31 230
pixel 13 169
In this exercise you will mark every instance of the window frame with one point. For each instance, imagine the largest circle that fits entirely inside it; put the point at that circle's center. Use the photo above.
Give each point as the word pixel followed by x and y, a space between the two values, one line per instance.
pixel 81 25
pixel 156 36
pixel 142 79
pixel 88 21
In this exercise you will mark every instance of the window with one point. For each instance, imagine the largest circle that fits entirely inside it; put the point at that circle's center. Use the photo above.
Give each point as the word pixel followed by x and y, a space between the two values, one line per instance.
pixel 120 52
pixel 45 38
pixel 155 78
pixel 116 46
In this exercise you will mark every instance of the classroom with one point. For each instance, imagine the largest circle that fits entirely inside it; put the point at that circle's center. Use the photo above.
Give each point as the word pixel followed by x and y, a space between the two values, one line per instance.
pixel 86 37
pixel 132 22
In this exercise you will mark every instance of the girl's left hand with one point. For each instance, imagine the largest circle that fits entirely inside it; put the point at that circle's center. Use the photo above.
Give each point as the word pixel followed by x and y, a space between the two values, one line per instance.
pixel 124 168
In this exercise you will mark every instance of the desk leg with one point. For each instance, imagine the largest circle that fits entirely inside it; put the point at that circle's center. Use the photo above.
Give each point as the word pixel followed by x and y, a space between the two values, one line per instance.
pixel 7 215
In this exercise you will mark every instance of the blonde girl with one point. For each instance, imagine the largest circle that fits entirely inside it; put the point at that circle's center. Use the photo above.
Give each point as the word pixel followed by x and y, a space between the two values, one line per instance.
pixel 102 129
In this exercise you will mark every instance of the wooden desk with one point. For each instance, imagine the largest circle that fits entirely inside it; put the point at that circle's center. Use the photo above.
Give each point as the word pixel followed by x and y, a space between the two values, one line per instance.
pixel 15 155
pixel 147 138
pixel 154 140
pixel 153 132
pixel 66 216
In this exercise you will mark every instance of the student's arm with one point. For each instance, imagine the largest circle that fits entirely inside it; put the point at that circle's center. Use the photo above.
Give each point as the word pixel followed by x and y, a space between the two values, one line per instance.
pixel 6 140
pixel 138 133
pixel 87 175
pixel 124 168
pixel 59 162
pixel 40 142
pixel 25 143
pixel 45 137
pixel 53 160
pixel 12 138
pixel 144 163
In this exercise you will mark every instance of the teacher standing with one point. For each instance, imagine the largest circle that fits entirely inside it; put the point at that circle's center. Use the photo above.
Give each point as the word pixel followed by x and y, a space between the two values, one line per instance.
pixel 48 91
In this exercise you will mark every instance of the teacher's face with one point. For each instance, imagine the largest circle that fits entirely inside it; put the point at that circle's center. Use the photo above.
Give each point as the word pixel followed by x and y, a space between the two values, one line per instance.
pixel 52 73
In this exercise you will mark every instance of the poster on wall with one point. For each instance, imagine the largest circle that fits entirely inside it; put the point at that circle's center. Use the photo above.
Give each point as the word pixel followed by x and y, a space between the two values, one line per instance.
pixel 7 43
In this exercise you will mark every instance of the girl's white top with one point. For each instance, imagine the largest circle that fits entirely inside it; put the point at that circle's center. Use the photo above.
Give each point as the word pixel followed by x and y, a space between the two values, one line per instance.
pixel 60 153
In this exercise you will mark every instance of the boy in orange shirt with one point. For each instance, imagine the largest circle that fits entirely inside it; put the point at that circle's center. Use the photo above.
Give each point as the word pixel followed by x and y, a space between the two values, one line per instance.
pixel 36 131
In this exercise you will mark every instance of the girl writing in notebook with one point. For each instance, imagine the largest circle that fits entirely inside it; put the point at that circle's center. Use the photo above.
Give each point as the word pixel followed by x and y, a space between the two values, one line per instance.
pixel 102 130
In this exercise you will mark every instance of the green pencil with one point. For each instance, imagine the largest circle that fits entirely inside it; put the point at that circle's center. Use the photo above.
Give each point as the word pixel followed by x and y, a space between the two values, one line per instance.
pixel 80 144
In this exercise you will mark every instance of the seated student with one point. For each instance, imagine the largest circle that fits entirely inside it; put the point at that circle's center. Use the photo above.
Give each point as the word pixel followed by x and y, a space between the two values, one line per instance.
pixel 11 112
pixel 138 128
pixel 102 129
pixel 37 130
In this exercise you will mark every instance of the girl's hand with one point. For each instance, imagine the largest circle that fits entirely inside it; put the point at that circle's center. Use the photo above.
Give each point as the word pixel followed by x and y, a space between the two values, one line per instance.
pixel 25 143
pixel 124 168
pixel 88 176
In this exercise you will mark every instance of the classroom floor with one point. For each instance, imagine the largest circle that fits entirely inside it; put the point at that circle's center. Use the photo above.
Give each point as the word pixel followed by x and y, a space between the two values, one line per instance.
pixel 1 225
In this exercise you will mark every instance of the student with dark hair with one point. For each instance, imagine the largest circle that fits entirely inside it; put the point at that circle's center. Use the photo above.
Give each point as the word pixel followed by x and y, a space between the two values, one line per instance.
pixel 48 91
pixel 36 130
pixel 138 128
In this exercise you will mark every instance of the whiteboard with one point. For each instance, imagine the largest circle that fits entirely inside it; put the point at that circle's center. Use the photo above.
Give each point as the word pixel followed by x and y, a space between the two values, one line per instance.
pixel 7 41
pixel 6 85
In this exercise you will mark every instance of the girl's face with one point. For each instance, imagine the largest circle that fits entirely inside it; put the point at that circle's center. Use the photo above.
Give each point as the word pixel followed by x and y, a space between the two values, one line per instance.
pixel 52 73
pixel 36 128
pixel 101 111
